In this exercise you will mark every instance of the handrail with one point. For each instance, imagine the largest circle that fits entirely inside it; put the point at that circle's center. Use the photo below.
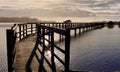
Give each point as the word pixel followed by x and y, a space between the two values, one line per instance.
pixel 41 38
pixel 48 29
pixel 24 30
pixel 71 25
pixel 15 27
pixel 17 33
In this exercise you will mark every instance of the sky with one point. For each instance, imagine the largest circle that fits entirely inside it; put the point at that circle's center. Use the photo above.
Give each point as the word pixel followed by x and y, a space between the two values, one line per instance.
pixel 60 10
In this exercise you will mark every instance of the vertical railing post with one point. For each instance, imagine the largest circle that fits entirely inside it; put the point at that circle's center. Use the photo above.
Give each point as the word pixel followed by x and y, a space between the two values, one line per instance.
pixel 79 30
pixel 26 29
pixel 65 25
pixel 36 27
pixel 52 52
pixel 23 31
pixel 67 50
pixel 31 28
pixel 75 32
pixel 10 45
pixel 43 51
pixel 59 25
pixel 20 32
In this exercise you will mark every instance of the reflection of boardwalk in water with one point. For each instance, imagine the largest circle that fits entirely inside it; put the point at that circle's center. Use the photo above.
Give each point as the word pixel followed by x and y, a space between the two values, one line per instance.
pixel 27 56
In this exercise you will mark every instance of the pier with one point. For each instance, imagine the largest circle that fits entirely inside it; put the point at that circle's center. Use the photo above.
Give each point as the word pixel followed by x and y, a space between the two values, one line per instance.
pixel 28 44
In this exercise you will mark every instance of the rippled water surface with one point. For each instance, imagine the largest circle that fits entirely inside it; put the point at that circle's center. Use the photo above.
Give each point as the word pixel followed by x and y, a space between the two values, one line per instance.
pixel 97 50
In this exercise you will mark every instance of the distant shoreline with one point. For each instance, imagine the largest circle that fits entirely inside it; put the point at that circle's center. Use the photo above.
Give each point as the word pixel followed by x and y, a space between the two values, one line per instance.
pixel 6 24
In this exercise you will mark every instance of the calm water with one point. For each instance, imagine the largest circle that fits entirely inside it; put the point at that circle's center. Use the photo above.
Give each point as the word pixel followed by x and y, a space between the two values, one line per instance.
pixel 3 51
pixel 97 50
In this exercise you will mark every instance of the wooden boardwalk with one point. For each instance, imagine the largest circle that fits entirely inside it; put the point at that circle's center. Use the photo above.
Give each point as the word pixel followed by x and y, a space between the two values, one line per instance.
pixel 29 53
pixel 26 60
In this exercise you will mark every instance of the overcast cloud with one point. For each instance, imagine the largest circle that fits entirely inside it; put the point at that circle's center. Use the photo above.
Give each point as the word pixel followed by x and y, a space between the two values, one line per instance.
pixel 80 9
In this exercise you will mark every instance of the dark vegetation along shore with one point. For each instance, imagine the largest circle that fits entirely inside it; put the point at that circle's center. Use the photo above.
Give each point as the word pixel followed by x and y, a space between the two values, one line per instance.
pixel 20 19
pixel 29 19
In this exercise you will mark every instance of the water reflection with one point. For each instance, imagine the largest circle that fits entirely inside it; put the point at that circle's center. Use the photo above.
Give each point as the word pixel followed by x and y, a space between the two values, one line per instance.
pixel 97 50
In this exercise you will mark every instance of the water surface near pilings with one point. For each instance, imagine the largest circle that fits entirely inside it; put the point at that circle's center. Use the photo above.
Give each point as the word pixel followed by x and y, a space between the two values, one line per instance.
pixel 96 50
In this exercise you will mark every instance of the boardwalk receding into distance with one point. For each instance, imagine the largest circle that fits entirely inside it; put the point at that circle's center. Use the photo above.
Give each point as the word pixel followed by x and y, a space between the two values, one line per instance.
pixel 28 43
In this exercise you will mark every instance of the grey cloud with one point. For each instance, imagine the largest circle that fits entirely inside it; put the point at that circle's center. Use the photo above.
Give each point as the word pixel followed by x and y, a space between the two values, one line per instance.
pixel 107 3
pixel 85 1
pixel 56 12
pixel 109 13
pixel 97 3
pixel 66 11
pixel 25 12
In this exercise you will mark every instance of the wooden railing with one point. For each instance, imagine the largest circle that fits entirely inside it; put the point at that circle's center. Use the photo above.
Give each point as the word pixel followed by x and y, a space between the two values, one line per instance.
pixel 11 51
pixel 49 30
pixel 73 25
pixel 24 30
pixel 15 34
pixel 21 31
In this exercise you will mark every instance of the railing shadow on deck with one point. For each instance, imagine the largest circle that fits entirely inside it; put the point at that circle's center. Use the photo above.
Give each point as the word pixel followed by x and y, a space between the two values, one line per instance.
pixel 42 31
pixel 33 53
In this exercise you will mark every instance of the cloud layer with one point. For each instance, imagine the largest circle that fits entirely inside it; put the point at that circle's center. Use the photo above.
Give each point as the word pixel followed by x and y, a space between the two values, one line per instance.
pixel 83 9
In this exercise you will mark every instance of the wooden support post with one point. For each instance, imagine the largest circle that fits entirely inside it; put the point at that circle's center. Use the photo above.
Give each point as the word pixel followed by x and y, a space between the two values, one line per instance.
pixel 83 29
pixel 67 50
pixel 26 29
pixel 79 31
pixel 75 32
pixel 42 54
pixel 86 29
pixel 36 27
pixel 62 25
pixel 20 32
pixel 49 38
pixel 56 25
pixel 52 52
pixel 10 45
pixel 38 32
pixel 59 37
pixel 31 28
pixel 23 31
pixel 62 38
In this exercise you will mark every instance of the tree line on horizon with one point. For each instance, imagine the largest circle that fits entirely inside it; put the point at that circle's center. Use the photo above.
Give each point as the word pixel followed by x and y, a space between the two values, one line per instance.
pixel 18 19
pixel 28 19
